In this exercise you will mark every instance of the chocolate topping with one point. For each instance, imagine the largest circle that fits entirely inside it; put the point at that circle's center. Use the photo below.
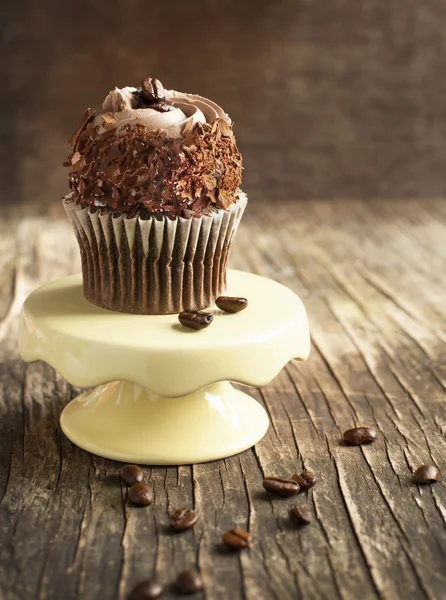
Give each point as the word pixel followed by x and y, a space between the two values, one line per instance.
pixel 132 168
pixel 151 94
pixel 152 90
pixel 141 170
pixel 87 117
pixel 163 106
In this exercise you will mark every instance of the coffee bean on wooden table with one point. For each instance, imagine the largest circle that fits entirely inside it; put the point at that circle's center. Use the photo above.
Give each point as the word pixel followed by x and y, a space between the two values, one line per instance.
pixel 189 582
pixel 195 319
pixel 299 515
pixel 131 474
pixel 310 479
pixel 146 590
pixel 359 436
pixel 426 474
pixel 231 304
pixel 140 494
pixel 236 539
pixel 305 480
pixel 300 481
pixel 281 486
pixel 182 519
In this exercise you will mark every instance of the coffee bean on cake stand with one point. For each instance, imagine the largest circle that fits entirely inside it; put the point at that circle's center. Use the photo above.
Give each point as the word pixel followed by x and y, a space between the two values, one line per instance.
pixel 195 319
pixel 231 304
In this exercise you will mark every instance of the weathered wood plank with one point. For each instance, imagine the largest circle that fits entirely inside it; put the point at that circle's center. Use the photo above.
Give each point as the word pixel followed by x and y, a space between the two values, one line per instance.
pixel 371 278
pixel 346 305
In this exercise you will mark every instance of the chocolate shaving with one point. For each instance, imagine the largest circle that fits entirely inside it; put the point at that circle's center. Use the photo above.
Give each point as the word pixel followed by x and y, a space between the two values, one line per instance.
pixel 187 127
pixel 76 156
pixel 86 119
pixel 162 107
pixel 225 129
pixel 112 153
pixel 108 119
pixel 143 170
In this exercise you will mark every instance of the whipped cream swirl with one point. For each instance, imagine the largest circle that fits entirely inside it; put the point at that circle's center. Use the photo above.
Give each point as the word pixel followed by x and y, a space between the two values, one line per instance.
pixel 120 105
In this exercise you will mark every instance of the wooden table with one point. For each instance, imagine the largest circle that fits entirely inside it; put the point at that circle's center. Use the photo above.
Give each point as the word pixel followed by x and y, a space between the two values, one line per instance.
pixel 371 275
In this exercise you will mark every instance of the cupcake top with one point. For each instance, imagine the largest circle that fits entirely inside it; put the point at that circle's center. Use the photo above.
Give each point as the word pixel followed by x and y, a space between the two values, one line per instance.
pixel 153 150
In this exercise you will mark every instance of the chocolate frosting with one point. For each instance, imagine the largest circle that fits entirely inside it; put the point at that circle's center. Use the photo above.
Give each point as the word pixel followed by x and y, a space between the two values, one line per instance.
pixel 155 151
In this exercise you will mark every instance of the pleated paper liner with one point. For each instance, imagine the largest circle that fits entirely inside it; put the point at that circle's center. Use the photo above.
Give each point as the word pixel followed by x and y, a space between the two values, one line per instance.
pixel 157 265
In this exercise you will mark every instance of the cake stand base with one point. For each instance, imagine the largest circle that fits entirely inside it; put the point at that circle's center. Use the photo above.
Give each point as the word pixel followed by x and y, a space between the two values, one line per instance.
pixel 125 421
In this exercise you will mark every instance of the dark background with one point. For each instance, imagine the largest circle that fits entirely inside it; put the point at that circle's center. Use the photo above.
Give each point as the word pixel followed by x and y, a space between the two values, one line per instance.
pixel 330 98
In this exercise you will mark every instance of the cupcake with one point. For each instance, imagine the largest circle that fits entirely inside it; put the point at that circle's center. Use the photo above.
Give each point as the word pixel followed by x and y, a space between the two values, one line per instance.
pixel 155 200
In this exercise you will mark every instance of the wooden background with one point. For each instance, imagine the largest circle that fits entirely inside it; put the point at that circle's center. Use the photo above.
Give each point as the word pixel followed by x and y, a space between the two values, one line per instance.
pixel 338 99
pixel 339 110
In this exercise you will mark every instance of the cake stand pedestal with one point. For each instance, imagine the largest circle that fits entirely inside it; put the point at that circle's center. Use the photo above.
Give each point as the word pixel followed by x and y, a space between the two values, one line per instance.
pixel 163 395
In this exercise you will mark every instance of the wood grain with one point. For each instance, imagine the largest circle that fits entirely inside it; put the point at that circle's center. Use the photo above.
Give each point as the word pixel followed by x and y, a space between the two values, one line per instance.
pixel 330 99
pixel 371 276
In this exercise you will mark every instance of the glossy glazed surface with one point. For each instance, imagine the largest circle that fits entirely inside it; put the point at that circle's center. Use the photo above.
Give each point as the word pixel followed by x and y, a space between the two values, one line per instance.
pixel 126 422
pixel 89 345
pixel 162 395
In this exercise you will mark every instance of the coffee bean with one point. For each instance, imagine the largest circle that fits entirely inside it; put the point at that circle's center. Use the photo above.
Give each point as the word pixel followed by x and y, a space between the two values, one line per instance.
pixel 305 480
pixel 298 514
pixel 140 494
pixel 236 539
pixel 195 320
pixel 189 582
pixel 310 478
pixel 281 486
pixel 146 590
pixel 182 519
pixel 426 474
pixel 300 481
pixel 131 474
pixel 152 90
pixel 360 435
pixel 231 304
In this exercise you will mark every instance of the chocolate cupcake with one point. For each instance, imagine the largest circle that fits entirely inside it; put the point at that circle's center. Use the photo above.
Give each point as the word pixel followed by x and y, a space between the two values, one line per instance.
pixel 155 200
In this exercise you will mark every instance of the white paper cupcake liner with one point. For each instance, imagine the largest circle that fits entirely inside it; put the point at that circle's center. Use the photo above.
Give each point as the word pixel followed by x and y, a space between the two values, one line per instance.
pixel 158 265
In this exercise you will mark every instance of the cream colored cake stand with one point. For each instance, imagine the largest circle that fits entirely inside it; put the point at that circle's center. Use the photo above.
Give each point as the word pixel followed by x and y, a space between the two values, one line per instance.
pixel 163 395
